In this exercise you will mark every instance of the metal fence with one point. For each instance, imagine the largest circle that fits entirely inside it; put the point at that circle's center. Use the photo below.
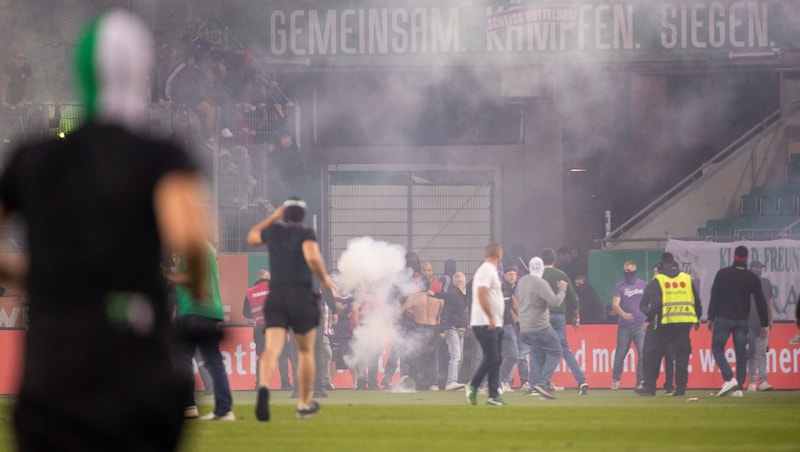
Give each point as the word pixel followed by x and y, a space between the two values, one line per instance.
pixel 244 184
pixel 437 220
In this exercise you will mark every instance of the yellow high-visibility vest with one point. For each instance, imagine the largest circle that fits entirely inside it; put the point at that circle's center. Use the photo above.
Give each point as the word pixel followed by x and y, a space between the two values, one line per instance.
pixel 677 299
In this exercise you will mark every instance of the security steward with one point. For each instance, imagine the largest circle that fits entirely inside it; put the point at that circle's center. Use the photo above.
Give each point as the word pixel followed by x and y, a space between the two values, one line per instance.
pixel 253 309
pixel 671 305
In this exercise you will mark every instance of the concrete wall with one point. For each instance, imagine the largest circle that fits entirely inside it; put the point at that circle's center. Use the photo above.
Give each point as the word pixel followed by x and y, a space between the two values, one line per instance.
pixel 717 193
pixel 529 196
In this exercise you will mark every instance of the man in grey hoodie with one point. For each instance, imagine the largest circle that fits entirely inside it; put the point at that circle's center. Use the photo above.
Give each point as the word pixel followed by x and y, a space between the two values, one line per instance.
pixel 535 298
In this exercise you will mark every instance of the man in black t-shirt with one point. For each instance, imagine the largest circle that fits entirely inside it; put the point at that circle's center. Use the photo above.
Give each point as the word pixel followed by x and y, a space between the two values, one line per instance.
pixel 97 207
pixel 294 256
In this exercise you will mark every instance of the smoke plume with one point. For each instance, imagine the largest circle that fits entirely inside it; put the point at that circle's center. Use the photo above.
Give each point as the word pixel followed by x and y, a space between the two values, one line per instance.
pixel 375 273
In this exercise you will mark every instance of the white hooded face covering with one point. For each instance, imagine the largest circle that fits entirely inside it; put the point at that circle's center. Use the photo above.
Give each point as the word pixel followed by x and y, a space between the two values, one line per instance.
pixel 536 266
pixel 113 62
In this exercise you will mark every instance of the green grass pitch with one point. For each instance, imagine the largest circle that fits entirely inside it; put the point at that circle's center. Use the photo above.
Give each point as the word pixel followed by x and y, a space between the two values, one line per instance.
pixel 443 421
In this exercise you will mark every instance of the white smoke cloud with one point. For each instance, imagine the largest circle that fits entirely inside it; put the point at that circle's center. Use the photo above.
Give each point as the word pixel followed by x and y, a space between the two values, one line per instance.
pixel 374 272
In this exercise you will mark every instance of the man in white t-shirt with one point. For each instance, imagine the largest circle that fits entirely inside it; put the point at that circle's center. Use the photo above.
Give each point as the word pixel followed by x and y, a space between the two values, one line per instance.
pixel 487 325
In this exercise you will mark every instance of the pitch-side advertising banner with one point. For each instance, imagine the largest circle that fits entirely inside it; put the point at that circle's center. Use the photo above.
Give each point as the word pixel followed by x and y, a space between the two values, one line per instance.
pixel 781 259
pixel 593 346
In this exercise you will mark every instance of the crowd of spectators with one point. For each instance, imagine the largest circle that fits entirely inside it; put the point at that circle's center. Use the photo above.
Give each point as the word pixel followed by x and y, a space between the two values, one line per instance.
pixel 436 318
pixel 225 101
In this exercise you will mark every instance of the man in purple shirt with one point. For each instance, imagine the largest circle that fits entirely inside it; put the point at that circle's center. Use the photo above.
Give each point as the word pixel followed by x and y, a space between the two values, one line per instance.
pixel 625 302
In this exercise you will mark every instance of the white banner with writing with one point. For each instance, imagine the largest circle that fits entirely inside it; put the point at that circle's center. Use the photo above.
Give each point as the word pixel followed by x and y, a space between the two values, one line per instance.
pixel 781 259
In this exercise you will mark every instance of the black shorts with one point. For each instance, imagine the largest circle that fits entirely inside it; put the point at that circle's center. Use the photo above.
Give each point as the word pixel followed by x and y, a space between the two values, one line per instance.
pixel 295 307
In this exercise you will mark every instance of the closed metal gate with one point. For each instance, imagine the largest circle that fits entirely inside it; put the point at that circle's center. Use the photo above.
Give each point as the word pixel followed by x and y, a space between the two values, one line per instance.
pixel 440 215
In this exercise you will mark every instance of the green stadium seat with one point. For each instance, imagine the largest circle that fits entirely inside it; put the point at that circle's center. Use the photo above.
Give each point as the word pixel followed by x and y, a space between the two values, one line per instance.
pixel 749 205
pixel 787 204
pixel 768 204
pixel 793 173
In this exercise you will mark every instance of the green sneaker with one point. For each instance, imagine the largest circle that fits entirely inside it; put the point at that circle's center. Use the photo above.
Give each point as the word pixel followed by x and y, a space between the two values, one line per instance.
pixel 472 394
pixel 496 401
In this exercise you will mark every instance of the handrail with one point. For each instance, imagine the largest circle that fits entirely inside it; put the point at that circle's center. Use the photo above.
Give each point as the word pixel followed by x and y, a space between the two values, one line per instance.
pixel 739 235
pixel 785 231
pixel 694 175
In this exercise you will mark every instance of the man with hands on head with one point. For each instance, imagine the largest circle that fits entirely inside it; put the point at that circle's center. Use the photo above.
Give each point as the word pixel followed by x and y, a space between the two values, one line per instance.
pixel 291 303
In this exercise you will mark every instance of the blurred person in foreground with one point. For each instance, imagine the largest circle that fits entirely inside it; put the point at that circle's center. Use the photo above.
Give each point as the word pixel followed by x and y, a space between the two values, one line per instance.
pixel 97 373
pixel 291 303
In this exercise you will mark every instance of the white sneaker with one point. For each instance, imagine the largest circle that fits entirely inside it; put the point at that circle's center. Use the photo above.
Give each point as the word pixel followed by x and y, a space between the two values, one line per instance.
pixel 737 393
pixel 614 385
pixel 507 387
pixel 191 412
pixel 433 388
pixel 525 387
pixel 454 386
pixel 795 340
pixel 556 388
pixel 226 133
pixel 727 387
pixel 752 387
pixel 229 416
pixel 765 386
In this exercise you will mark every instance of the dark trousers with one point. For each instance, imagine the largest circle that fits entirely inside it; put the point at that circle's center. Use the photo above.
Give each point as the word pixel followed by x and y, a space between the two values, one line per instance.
pixel 491 345
pixel 443 361
pixel 669 368
pixel 289 354
pixel 425 365
pixel 404 328
pixel 209 348
pixel 258 339
pixel 669 362
pixel 655 349
pixel 318 383
pixel 723 329
pixel 107 388
pixel 367 373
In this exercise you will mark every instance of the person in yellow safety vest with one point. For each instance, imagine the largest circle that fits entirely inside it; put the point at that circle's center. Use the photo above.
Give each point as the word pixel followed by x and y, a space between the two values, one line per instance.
pixel 671 302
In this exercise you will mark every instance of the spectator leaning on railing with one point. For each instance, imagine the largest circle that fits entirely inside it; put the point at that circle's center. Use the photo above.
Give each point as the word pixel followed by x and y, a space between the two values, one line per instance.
pixel 15 90
pixel 184 87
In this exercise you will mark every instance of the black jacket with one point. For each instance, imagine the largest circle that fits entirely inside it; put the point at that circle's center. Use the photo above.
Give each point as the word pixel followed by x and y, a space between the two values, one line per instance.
pixel 730 295
pixel 651 303
pixel 455 311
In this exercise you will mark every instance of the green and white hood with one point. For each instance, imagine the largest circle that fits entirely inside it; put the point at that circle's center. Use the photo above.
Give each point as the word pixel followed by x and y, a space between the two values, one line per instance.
pixel 113 62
